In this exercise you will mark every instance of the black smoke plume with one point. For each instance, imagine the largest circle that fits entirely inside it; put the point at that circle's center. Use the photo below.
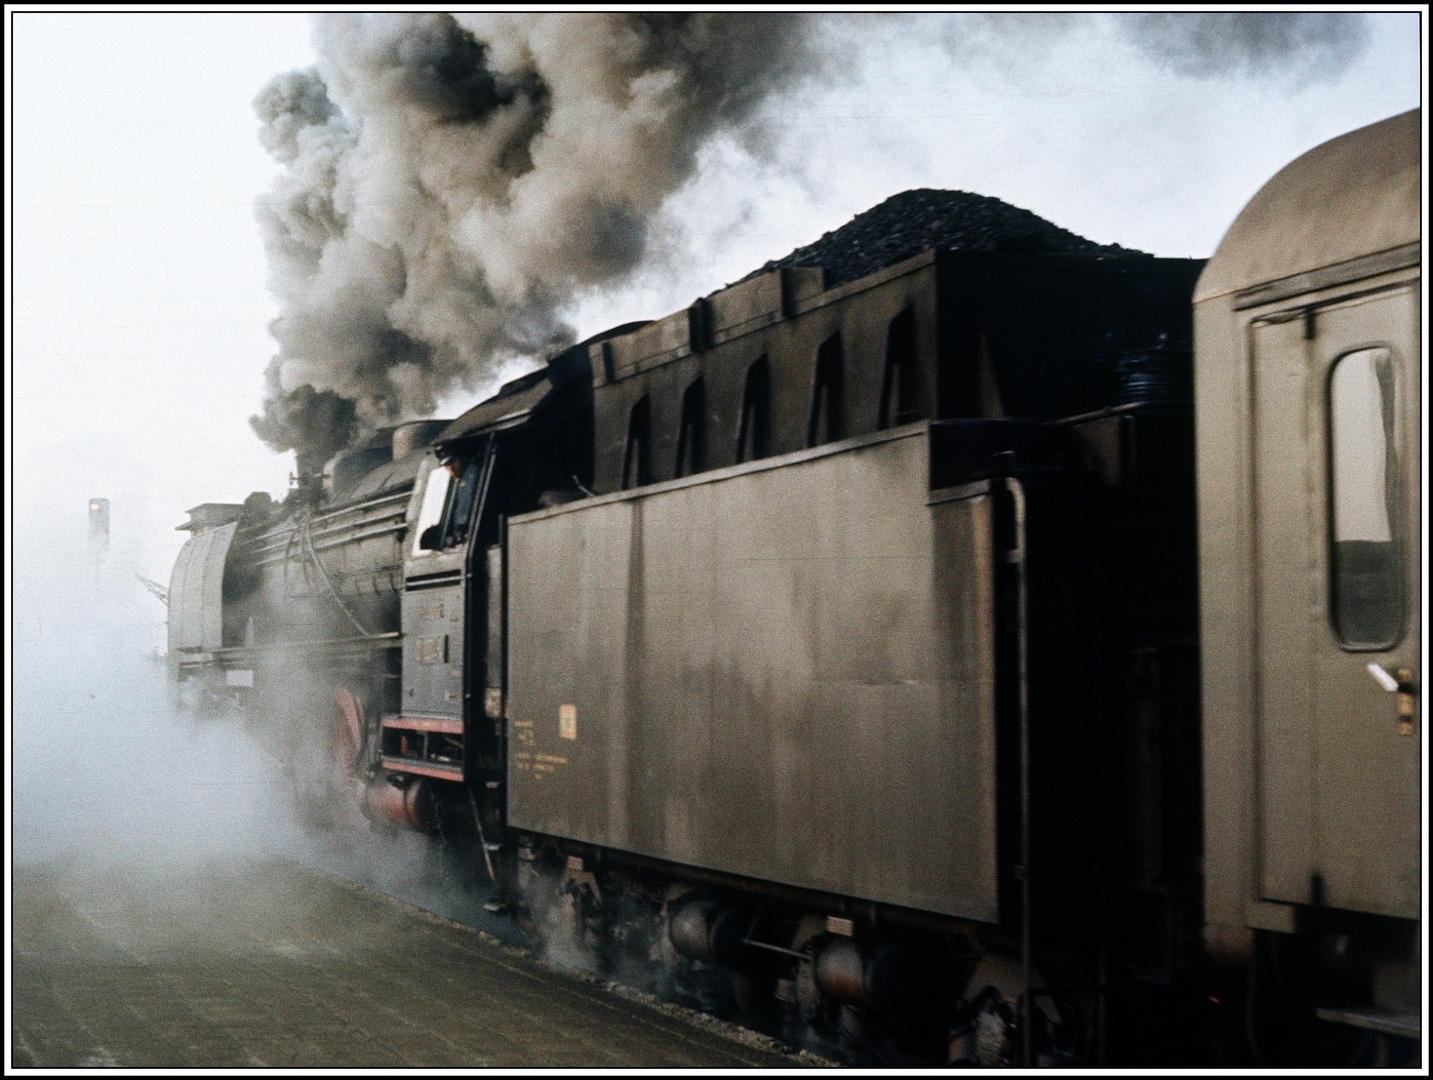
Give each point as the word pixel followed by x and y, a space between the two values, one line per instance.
pixel 452 183
pixel 1306 45
pixel 1298 46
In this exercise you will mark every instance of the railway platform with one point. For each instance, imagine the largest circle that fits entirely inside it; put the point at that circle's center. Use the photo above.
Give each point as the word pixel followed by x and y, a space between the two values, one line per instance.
pixel 269 964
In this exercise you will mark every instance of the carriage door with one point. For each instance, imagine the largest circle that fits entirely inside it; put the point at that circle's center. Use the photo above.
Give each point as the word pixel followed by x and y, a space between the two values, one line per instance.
pixel 1337 547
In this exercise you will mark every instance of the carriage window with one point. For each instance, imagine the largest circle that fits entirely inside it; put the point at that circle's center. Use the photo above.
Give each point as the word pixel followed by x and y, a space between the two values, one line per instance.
pixel 434 499
pixel 1367 585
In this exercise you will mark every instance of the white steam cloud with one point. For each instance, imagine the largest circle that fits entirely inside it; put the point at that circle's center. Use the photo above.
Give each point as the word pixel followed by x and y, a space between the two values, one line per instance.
pixel 106 769
pixel 117 783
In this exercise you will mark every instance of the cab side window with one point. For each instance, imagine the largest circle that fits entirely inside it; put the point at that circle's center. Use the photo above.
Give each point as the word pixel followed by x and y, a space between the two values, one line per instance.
pixel 435 498
pixel 1366 564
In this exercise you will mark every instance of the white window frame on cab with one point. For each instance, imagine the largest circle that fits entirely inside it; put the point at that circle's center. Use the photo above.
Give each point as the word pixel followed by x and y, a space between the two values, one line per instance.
pixel 435 500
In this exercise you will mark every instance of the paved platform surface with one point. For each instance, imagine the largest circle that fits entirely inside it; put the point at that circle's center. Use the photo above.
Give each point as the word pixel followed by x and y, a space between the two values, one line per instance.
pixel 269 964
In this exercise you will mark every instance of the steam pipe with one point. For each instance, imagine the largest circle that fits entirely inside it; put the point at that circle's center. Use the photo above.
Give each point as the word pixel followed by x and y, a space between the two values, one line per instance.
pixel 1017 555
pixel 503 654
pixel 390 639
pixel 329 521
pixel 327 581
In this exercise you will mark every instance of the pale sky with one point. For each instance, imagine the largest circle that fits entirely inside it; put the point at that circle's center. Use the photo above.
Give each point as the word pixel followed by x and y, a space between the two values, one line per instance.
pixel 138 328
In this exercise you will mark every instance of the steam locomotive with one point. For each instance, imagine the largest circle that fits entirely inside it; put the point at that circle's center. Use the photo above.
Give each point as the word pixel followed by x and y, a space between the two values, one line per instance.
pixel 930 655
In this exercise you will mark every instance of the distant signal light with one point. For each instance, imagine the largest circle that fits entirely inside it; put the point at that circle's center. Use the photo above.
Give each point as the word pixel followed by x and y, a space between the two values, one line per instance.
pixel 99 526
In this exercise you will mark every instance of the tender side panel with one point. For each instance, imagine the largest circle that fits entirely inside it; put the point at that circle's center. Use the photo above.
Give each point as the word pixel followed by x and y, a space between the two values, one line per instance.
pixel 755 676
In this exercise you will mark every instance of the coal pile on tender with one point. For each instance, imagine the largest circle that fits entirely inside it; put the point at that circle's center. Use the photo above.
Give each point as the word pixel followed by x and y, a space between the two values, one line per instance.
pixel 925 218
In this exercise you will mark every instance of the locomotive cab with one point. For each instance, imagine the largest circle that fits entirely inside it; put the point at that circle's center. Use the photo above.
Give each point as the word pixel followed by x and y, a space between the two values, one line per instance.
pixel 444 735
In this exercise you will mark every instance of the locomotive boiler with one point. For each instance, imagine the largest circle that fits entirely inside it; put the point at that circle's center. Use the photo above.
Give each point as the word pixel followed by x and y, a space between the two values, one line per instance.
pixel 957 642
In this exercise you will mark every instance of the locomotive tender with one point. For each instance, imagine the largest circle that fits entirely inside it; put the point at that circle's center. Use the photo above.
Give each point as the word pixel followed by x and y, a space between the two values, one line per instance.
pixel 857 649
